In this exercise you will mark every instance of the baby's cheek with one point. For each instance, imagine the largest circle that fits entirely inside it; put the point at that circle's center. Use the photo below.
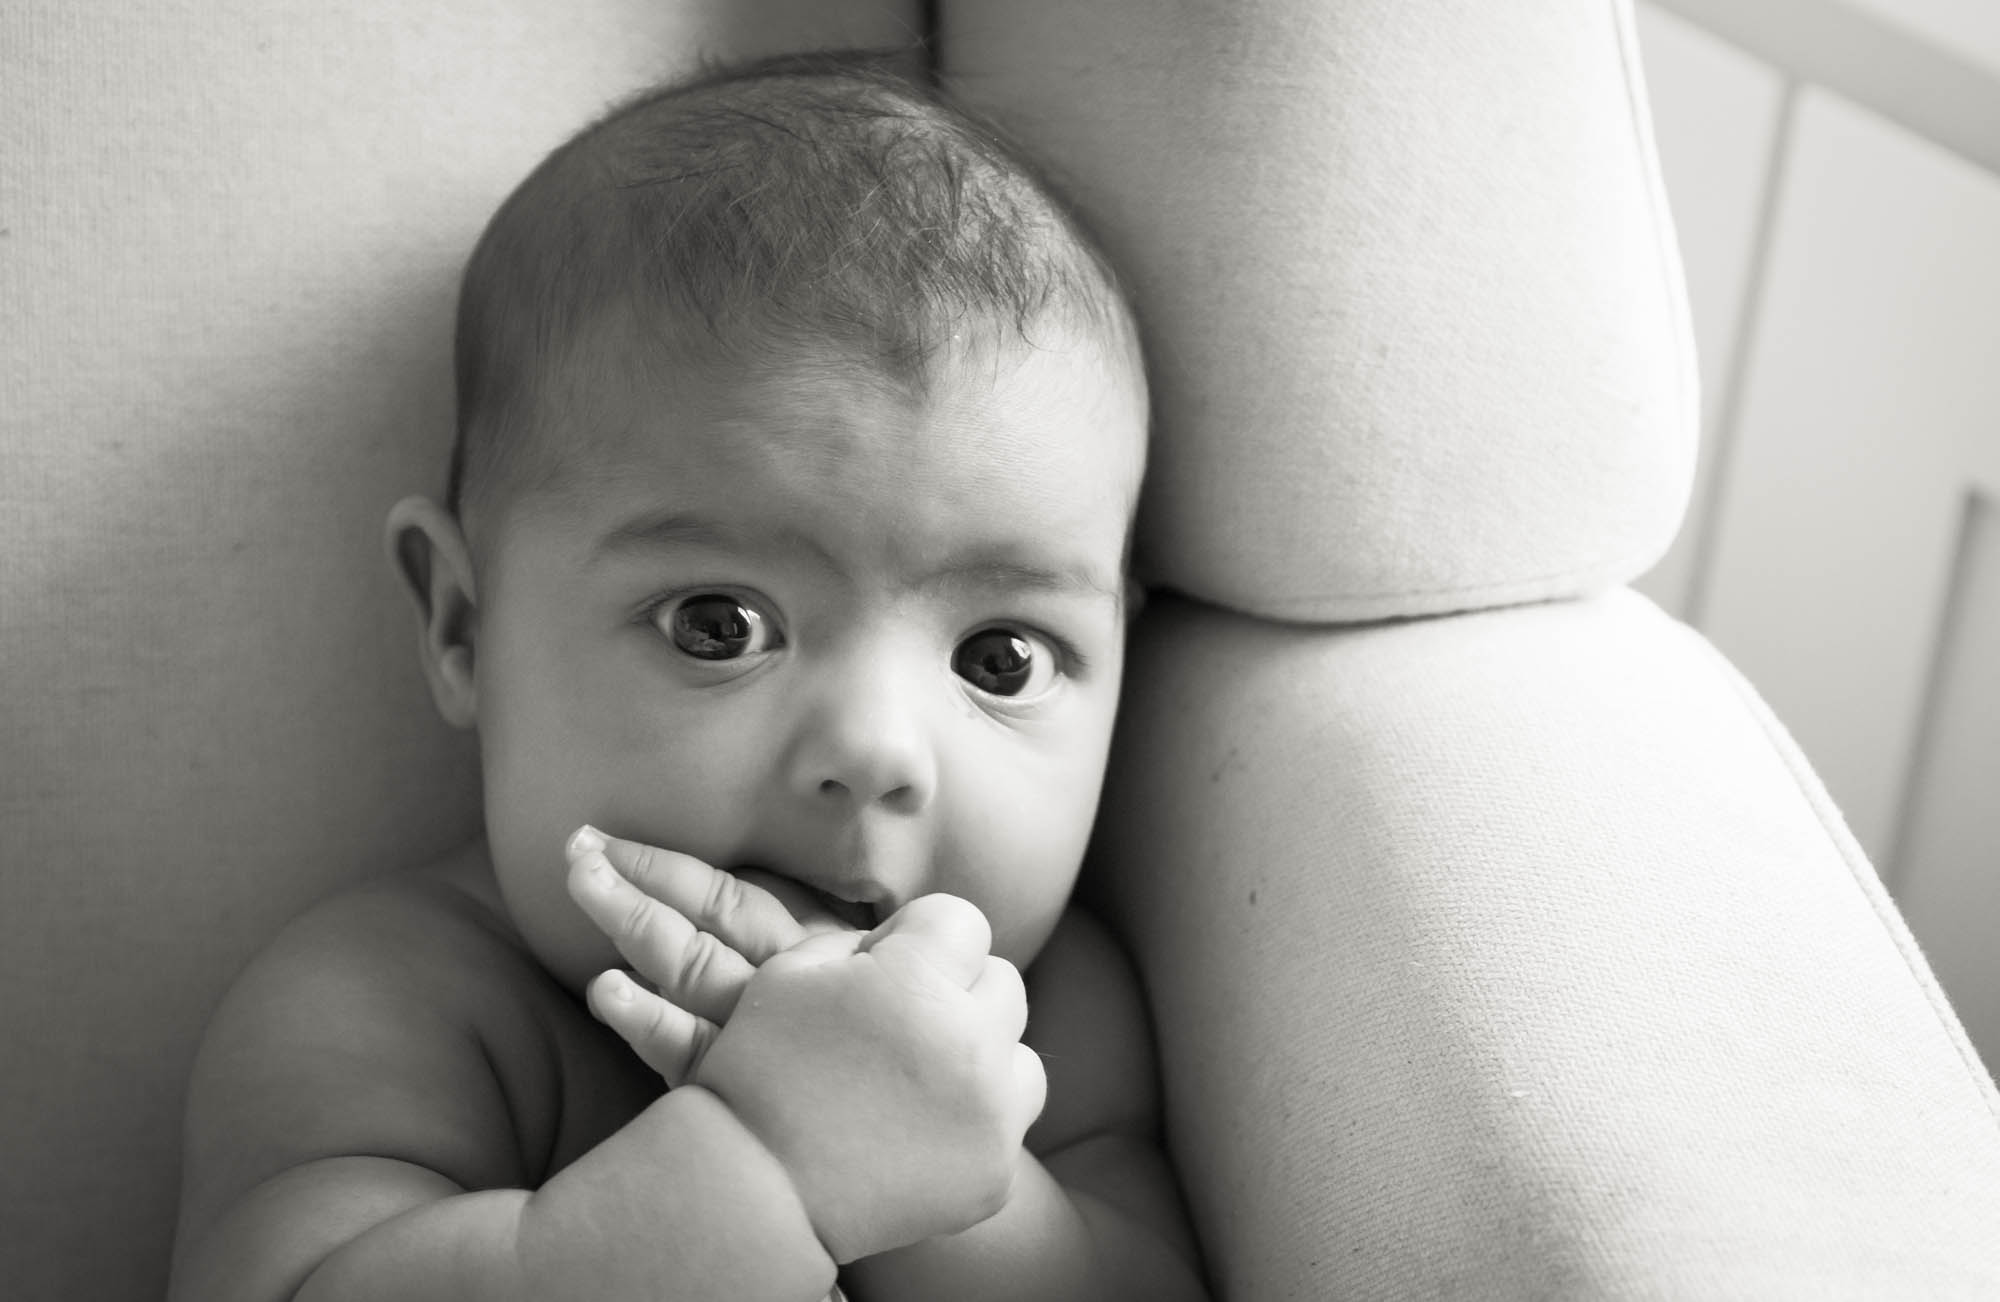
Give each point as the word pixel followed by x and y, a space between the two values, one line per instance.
pixel 533 878
pixel 1021 873
pixel 684 767
pixel 536 796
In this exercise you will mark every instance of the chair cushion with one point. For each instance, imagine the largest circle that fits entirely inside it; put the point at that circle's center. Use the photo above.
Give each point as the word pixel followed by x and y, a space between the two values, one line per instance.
pixel 1520 955
pixel 1408 283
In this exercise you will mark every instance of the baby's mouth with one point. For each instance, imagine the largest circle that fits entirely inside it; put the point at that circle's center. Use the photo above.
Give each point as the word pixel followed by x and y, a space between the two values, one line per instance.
pixel 805 901
pixel 861 917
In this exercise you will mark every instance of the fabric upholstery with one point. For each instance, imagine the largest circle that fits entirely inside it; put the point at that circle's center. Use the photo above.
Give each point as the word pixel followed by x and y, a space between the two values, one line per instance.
pixel 1519 955
pixel 230 234
pixel 1414 308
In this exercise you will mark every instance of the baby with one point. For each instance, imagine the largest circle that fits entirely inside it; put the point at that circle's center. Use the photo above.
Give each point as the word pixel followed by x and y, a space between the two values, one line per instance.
pixel 800 430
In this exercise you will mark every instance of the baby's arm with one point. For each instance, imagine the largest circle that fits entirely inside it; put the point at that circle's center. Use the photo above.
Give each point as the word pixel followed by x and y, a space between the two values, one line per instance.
pixel 350 1134
pixel 681 1203
pixel 1093 1211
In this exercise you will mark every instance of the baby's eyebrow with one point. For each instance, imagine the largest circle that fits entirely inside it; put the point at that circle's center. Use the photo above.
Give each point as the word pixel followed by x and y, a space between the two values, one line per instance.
pixel 666 531
pixel 980 570
pixel 677 529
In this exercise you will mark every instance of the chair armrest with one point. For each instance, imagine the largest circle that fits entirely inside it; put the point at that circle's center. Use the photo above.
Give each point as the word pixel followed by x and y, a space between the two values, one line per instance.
pixel 1519 955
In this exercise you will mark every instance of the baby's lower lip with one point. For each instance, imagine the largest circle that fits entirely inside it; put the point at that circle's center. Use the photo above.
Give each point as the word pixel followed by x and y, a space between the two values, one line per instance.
pixel 859 916
pixel 796 895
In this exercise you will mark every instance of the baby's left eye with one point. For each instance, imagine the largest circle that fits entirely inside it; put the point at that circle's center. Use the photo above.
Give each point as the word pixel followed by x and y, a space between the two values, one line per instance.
pixel 1007 662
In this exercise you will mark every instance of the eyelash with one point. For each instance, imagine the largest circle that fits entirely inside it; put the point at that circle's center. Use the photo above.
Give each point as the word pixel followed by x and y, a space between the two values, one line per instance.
pixel 1074 662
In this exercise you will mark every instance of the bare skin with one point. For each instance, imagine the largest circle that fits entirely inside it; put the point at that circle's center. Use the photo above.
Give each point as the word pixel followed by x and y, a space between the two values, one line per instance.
pixel 499 1079
pixel 795 631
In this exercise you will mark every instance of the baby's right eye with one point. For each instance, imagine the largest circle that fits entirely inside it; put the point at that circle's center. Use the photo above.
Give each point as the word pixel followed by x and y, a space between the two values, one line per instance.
pixel 717 626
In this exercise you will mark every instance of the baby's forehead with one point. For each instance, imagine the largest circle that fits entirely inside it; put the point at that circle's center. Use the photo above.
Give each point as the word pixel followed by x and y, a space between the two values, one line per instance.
pixel 736 402
pixel 1012 440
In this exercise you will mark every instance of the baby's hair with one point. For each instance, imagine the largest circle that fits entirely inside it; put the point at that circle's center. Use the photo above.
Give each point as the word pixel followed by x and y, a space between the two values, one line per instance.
pixel 821 200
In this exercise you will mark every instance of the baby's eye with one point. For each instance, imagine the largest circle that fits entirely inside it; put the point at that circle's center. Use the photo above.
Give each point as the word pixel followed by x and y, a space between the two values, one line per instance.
pixel 1006 662
pixel 716 626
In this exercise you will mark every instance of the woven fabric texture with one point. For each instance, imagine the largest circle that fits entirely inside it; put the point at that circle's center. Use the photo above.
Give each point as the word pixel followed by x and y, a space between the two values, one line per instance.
pixel 1518 955
pixel 1411 294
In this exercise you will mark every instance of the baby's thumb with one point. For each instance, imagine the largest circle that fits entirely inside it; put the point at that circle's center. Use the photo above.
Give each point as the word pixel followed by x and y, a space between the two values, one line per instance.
pixel 951 934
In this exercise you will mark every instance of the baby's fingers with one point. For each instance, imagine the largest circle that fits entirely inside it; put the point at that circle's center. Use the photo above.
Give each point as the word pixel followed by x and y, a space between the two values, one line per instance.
pixel 1031 1085
pixel 691 967
pixel 950 934
pixel 1002 997
pixel 670 1040
pixel 747 918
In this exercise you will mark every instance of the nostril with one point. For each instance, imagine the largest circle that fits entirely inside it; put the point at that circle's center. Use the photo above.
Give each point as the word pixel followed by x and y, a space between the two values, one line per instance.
pixel 904 796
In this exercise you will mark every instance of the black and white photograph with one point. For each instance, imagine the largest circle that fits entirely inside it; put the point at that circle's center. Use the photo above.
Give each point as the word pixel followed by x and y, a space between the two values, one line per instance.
pixel 1000 651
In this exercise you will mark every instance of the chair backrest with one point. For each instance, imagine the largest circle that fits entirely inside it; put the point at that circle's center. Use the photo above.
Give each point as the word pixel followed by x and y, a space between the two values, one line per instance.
pixel 229 238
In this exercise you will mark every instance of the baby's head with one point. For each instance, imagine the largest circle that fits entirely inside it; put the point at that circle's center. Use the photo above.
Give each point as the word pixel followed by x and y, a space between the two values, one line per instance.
pixel 800 430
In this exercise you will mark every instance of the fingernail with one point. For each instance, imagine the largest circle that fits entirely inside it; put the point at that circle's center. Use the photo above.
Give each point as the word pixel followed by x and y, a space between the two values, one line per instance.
pixel 584 840
pixel 618 986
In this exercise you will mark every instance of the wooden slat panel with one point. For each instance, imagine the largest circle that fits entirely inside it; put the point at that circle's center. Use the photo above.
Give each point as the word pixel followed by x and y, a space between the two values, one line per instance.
pixel 1872 401
pixel 1716 112
pixel 1942 93
pixel 1970 27
pixel 1950 878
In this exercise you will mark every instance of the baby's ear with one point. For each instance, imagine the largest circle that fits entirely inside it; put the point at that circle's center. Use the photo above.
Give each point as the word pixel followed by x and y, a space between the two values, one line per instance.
pixel 427 550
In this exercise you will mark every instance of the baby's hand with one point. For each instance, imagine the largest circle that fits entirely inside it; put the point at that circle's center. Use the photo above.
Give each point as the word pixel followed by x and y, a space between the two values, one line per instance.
pixel 696 933
pixel 884 1069
pixel 886 1072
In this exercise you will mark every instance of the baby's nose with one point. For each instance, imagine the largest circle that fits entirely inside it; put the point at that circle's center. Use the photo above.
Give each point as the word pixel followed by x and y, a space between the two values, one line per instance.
pixel 867 745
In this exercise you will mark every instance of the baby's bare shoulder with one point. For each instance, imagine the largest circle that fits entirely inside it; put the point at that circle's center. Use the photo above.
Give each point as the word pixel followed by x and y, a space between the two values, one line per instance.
pixel 398 1020
pixel 1087 1019
pixel 1100 1133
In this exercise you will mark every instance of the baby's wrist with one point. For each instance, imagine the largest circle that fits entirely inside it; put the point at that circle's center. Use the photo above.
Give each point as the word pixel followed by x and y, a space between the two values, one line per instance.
pixel 728 1219
pixel 791 1219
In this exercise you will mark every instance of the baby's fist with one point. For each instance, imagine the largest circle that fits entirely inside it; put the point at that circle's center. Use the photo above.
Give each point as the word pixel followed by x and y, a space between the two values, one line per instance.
pixel 886 1072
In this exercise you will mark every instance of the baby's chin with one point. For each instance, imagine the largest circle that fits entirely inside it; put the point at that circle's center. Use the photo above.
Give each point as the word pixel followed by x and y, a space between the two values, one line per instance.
pixel 556 933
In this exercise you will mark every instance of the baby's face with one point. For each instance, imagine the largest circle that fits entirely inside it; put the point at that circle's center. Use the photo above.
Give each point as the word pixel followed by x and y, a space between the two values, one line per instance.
pixel 806 621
